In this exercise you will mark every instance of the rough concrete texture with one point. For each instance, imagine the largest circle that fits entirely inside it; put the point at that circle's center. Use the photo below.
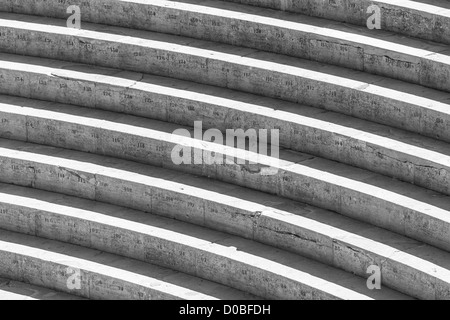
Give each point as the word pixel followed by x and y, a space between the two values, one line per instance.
pixel 429 20
pixel 208 260
pixel 305 37
pixel 358 94
pixel 301 177
pixel 122 184
pixel 13 290
pixel 102 276
pixel 156 97
pixel 172 244
pixel 398 154
pixel 242 233
pixel 74 223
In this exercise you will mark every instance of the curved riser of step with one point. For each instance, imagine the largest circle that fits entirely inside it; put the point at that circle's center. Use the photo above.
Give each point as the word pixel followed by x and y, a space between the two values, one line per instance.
pixel 68 219
pixel 308 38
pixel 302 177
pixel 418 160
pixel 122 184
pixel 412 18
pixel 152 143
pixel 13 290
pixel 188 248
pixel 93 274
pixel 346 91
pixel 157 97
pixel 291 277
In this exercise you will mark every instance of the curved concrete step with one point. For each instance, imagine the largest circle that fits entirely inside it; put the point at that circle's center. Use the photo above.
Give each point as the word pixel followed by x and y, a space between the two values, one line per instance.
pixel 228 260
pixel 14 290
pixel 405 209
pixel 155 96
pixel 156 144
pixel 315 233
pixel 426 19
pixel 358 48
pixel 362 95
pixel 93 274
pixel 415 213
pixel 400 207
pixel 216 256
pixel 395 153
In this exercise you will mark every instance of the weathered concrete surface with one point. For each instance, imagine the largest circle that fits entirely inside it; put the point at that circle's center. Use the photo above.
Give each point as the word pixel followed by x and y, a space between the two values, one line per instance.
pixel 405 156
pixel 428 66
pixel 13 290
pixel 76 221
pixel 158 98
pixel 361 95
pixel 429 20
pixel 310 38
pixel 177 245
pixel 102 276
pixel 291 277
pixel 399 207
pixel 409 266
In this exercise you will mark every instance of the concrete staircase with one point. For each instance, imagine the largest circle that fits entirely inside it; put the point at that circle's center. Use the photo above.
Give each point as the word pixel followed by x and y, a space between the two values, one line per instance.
pixel 13 290
pixel 87 182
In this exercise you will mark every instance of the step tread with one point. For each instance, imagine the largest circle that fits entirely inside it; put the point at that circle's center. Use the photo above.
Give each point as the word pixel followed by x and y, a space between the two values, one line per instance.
pixel 430 60
pixel 398 144
pixel 379 39
pixel 374 141
pixel 213 191
pixel 262 256
pixel 340 32
pixel 428 203
pixel 424 97
pixel 423 102
pixel 402 16
pixel 163 280
pixel 359 236
pixel 307 251
pixel 14 290
pixel 323 169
